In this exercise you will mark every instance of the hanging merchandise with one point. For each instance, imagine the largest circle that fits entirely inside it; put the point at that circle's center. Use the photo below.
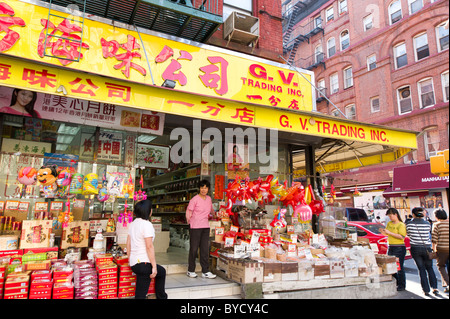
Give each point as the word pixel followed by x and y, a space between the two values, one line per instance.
pixel 46 177
pixel 115 184
pixel 90 184
pixel 27 176
pixel 128 188
pixel 278 220
pixel 66 217
pixel 294 195
pixel 76 184
pixel 316 205
pixel 304 212
pixel 357 193
pixel 126 216
pixel 140 195
pixel 63 183
pixel 103 191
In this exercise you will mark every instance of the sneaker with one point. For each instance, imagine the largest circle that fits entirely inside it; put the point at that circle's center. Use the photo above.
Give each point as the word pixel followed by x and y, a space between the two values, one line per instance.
pixel 436 292
pixel 446 289
pixel 191 274
pixel 209 275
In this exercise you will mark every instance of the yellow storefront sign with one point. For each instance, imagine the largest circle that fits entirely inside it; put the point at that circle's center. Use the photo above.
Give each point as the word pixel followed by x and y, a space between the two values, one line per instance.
pixel 117 52
pixel 61 81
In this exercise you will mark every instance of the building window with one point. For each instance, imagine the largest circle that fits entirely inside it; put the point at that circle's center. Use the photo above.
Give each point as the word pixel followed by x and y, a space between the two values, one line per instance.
pixel 350 112
pixel 401 58
pixel 372 62
pixel 330 14
pixel 415 5
pixel 345 39
pixel 368 22
pixel 431 141
pixel 318 21
pixel 421 46
pixel 336 113
pixel 445 84
pixel 321 87
pixel 331 45
pixel 410 158
pixel 348 78
pixel 343 6
pixel 334 83
pixel 426 93
pixel 241 6
pixel 442 37
pixel 395 11
pixel 404 100
pixel 375 104
pixel 318 54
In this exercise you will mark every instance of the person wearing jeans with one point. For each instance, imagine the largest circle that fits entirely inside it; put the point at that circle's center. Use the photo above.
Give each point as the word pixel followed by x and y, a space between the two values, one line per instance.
pixel 396 232
pixel 418 231
pixel 141 253
pixel 441 245
pixel 197 216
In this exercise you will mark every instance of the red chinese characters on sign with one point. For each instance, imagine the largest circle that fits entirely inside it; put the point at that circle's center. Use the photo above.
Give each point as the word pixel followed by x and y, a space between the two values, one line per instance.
pixel 43 78
pixel 213 110
pixel 245 115
pixel 119 91
pixel 211 80
pixel 62 40
pixel 6 22
pixel 81 87
pixel 170 73
pixel 110 50
pixel 4 71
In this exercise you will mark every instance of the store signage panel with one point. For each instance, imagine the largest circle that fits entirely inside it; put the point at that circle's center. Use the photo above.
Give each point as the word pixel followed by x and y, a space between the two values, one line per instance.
pixel 417 177
pixel 148 98
pixel 118 53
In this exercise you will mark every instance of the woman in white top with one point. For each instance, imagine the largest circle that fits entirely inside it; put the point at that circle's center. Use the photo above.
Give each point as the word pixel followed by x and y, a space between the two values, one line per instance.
pixel 141 253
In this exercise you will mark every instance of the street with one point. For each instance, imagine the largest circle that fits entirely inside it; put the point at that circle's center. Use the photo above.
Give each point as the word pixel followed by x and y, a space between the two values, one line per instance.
pixel 413 287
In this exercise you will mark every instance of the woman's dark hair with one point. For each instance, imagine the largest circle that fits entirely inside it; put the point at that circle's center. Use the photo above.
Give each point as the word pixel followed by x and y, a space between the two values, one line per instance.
pixel 204 183
pixel 418 211
pixel 393 211
pixel 30 106
pixel 440 214
pixel 142 209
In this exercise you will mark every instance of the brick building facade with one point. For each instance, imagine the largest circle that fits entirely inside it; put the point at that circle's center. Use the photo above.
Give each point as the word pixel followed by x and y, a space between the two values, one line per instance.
pixel 378 61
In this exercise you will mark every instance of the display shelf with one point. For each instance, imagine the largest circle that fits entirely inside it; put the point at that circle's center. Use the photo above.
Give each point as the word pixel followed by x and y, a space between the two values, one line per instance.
pixel 173 181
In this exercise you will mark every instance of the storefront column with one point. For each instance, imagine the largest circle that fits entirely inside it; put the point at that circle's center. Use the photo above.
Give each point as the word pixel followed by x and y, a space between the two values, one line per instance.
pixel 310 158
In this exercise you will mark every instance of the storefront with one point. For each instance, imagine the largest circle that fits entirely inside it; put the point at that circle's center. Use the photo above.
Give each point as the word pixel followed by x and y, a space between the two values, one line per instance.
pixel 117 128
pixel 415 186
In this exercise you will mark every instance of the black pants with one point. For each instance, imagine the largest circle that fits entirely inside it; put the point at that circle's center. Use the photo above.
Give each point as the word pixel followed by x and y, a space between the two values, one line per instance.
pixel 199 238
pixel 143 272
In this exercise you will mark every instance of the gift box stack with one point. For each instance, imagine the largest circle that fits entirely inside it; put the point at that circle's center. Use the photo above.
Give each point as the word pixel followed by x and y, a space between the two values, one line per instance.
pixel 16 285
pixel 85 280
pixel 107 276
pixel 2 278
pixel 41 284
pixel 62 280
pixel 127 281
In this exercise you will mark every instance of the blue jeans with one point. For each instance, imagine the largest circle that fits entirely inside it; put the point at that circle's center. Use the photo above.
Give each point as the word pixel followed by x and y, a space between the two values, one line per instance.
pixel 400 253
pixel 425 266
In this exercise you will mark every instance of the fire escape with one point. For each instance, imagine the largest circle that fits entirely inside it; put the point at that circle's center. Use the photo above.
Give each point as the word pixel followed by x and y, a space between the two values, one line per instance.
pixel 293 33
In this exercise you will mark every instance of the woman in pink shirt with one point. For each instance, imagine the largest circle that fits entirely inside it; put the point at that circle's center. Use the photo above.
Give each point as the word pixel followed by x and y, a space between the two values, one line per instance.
pixel 22 103
pixel 197 216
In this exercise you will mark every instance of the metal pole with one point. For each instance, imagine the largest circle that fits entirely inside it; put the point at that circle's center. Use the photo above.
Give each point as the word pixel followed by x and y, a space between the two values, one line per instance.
pixel 145 52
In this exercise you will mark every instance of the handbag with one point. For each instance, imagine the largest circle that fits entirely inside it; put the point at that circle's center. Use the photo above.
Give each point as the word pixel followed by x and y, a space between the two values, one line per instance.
pixel 430 252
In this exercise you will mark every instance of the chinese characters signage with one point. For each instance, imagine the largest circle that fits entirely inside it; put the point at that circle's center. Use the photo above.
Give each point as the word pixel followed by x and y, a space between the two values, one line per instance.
pixel 102 49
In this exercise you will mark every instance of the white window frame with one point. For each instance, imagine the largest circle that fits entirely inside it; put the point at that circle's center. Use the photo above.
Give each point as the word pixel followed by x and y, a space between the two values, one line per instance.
pixel 410 2
pixel 328 47
pixel 371 60
pixel 348 79
pixel 368 22
pixel 334 88
pixel 371 104
pixel 438 42
pixel 340 39
pixel 329 17
pixel 445 98
pixel 415 38
pixel 352 114
pixel 318 51
pixel 318 21
pixel 399 99
pixel 396 57
pixel 419 90
pixel 342 8
pixel 398 2
pixel 321 86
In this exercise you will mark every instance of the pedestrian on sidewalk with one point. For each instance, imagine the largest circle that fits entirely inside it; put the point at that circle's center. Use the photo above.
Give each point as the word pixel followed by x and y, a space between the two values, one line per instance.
pixel 141 253
pixel 418 231
pixel 396 232
pixel 198 213
pixel 440 244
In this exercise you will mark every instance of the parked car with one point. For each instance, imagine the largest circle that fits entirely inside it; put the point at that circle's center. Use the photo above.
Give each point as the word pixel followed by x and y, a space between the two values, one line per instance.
pixel 371 232
pixel 356 215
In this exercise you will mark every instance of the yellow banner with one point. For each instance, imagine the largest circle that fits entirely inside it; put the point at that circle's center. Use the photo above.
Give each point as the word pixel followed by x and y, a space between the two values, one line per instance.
pixel 61 81
pixel 117 52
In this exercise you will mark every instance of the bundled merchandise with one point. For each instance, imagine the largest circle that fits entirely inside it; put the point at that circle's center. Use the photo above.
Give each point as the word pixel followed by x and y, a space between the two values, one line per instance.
pixel 107 276
pixel 17 285
pixel 41 284
pixel 85 280
pixel 62 280
pixel 127 281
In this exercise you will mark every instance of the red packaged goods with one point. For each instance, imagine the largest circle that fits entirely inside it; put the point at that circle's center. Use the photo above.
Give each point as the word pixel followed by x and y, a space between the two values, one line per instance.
pixel 62 274
pixel 121 260
pixel 126 295
pixel 37 265
pixel 41 274
pixel 16 282
pixel 58 263
pixel 86 295
pixel 151 289
pixel 127 290
pixel 62 288
pixel 40 292
pixel 104 281
pixel 102 259
pixel 46 296
pixel 16 296
pixel 41 284
pixel 5 253
pixel 107 269
pixel 63 296
pixel 107 286
pixel 16 290
pixel 108 296
pixel 108 291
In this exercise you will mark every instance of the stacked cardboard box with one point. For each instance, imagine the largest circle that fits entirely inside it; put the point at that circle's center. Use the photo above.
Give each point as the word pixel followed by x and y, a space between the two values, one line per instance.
pixel 41 284
pixel 17 285
pixel 85 280
pixel 2 278
pixel 127 281
pixel 62 282
pixel 107 280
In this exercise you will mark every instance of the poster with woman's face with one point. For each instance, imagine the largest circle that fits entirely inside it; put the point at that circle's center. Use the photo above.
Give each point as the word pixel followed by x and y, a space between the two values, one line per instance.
pixel 237 161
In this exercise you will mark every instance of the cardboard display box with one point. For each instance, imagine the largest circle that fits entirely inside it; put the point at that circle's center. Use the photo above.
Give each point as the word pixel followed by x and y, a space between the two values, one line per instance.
pixel 35 233
pixel 245 271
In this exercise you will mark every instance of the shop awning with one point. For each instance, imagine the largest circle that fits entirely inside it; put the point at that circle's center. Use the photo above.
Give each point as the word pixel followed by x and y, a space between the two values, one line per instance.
pixel 417 177
pixel 366 188
pixel 388 193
